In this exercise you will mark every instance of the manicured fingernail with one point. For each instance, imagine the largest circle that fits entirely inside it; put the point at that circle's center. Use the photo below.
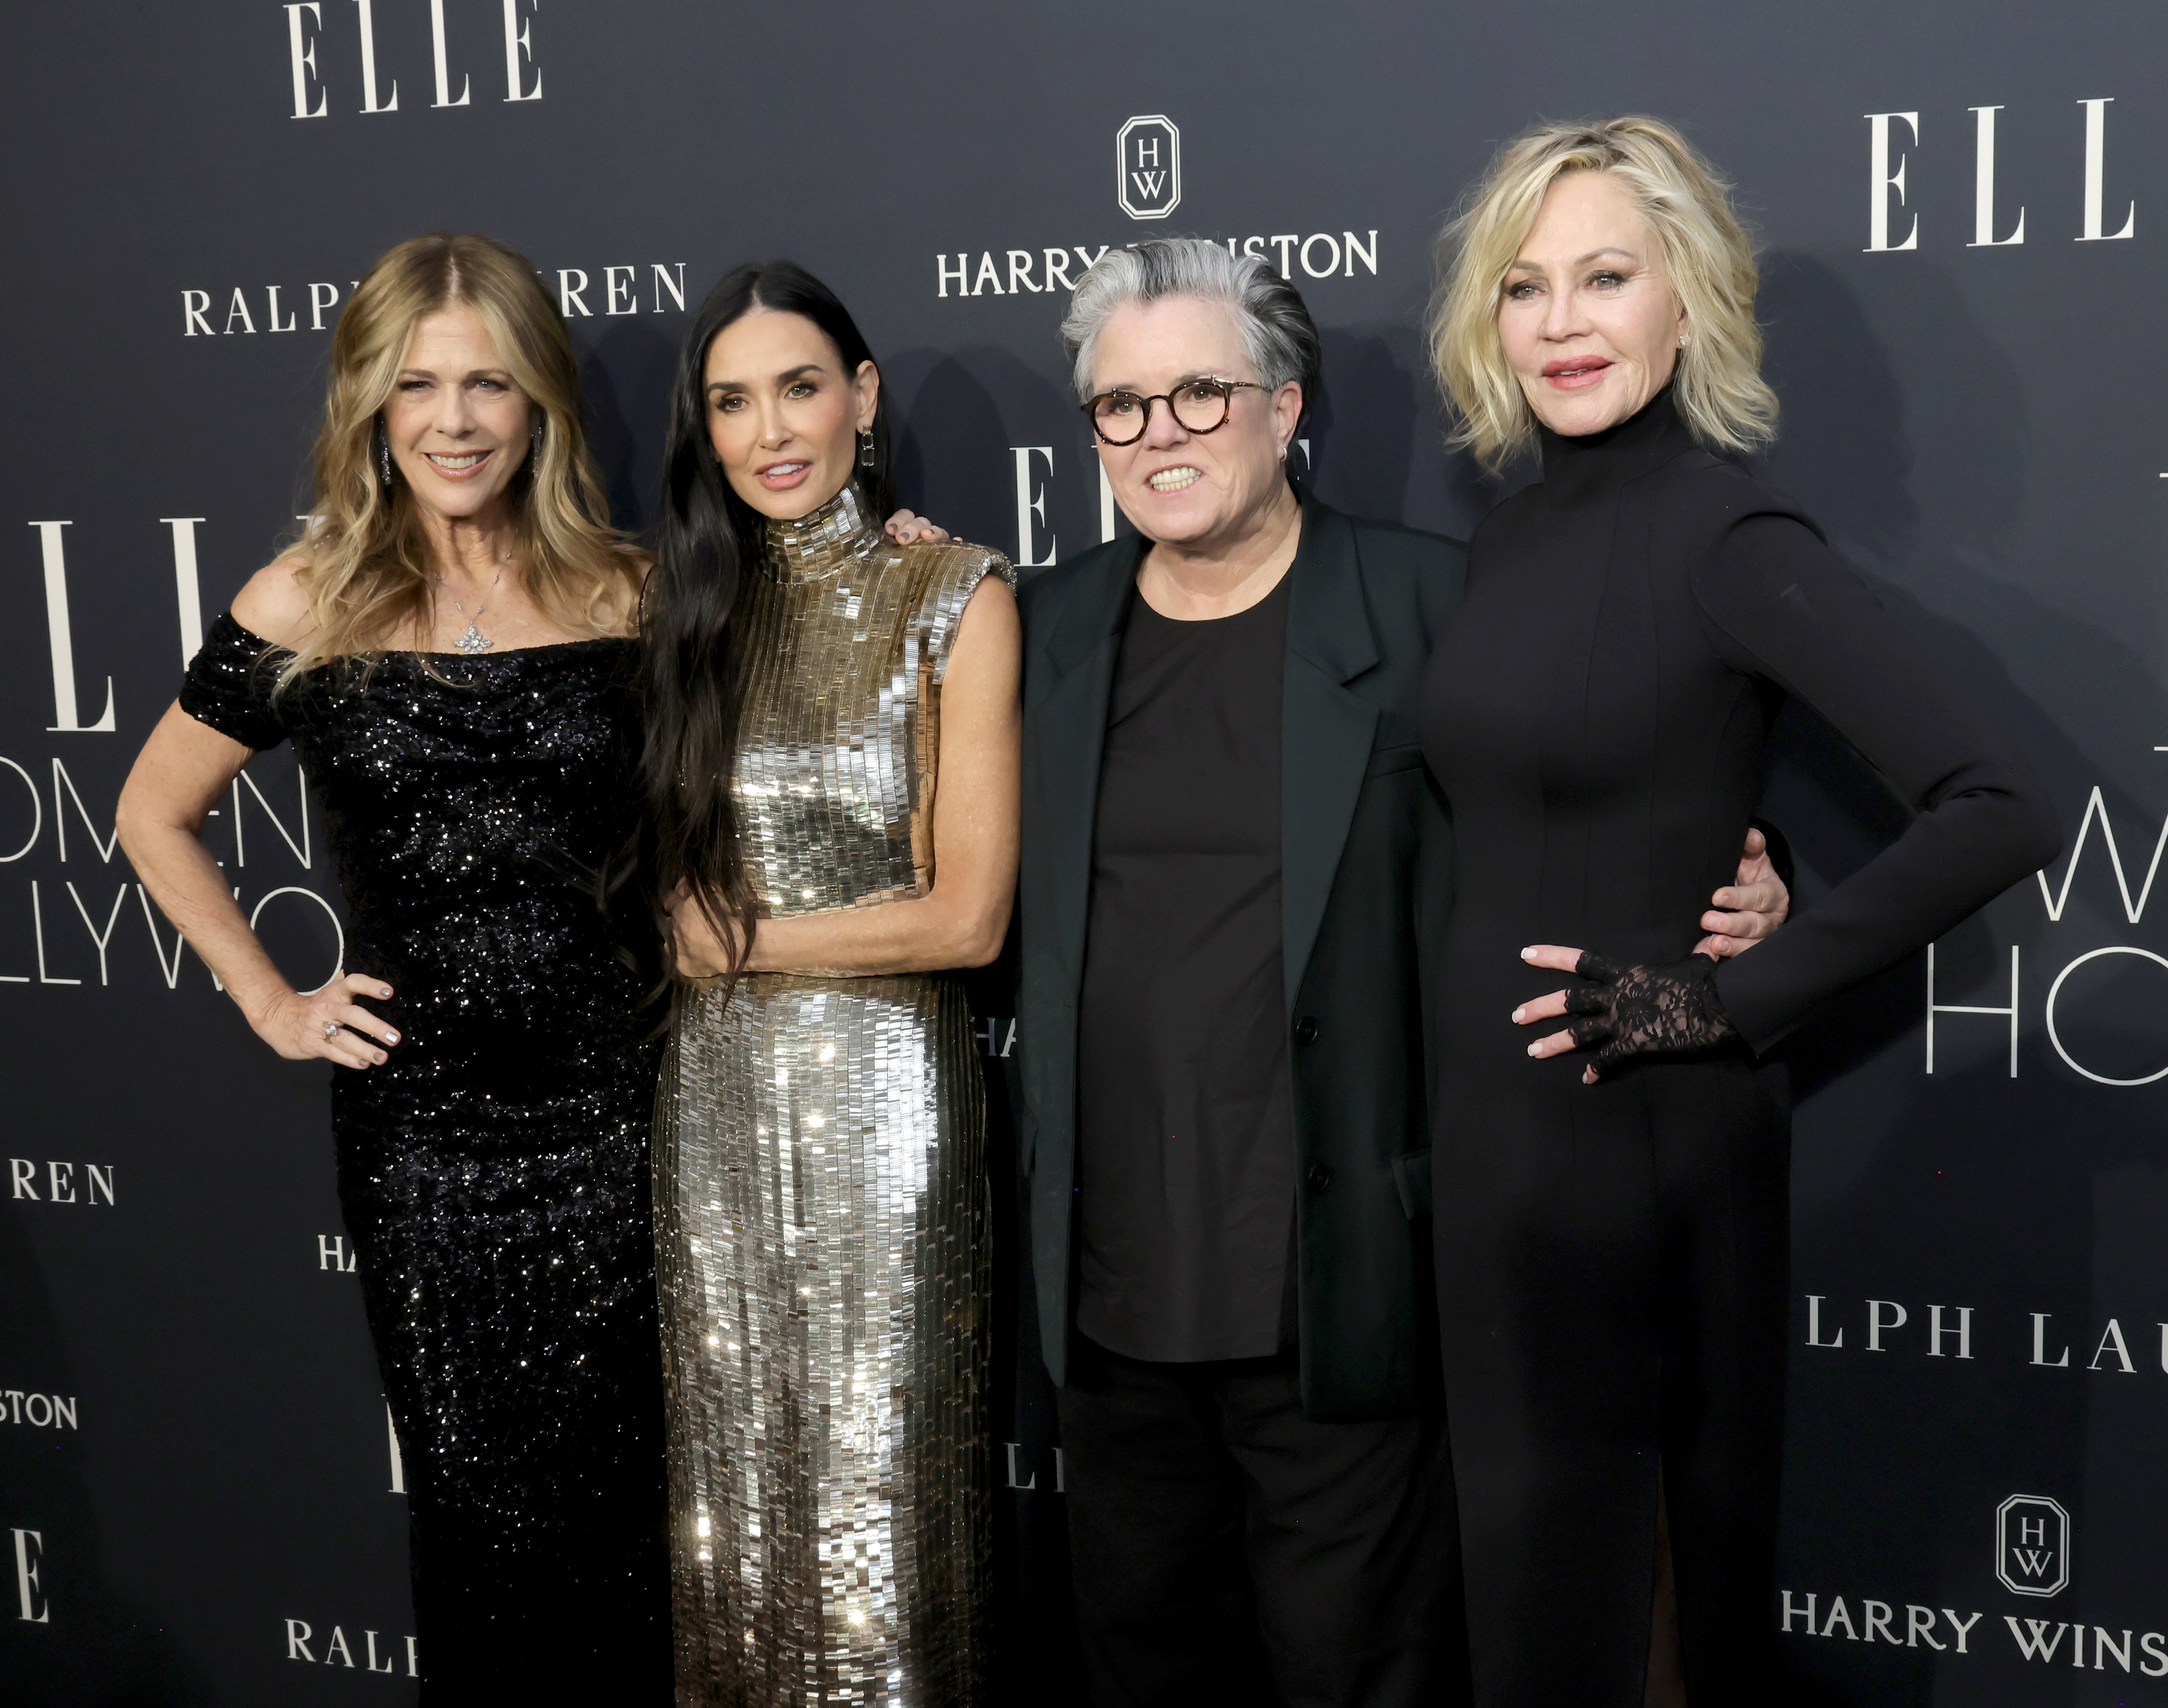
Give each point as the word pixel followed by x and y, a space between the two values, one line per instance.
pixel 391 1037
pixel 1535 1049
pixel 384 990
pixel 1519 1014
pixel 1527 955
pixel 378 1056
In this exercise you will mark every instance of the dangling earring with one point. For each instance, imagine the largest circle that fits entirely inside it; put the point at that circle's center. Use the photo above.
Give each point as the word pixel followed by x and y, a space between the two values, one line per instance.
pixel 534 448
pixel 865 448
pixel 383 454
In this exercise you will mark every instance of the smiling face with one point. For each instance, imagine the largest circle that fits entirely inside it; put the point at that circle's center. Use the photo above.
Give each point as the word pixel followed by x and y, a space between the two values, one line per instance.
pixel 1195 490
pixel 783 416
pixel 1588 316
pixel 456 421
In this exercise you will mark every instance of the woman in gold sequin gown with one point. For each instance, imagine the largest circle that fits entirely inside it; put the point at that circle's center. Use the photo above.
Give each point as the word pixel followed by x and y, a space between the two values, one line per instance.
pixel 831 789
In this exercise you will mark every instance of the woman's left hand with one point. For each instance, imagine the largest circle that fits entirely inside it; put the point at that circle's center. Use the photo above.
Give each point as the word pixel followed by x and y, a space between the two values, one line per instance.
pixel 1628 1010
pixel 905 528
pixel 700 952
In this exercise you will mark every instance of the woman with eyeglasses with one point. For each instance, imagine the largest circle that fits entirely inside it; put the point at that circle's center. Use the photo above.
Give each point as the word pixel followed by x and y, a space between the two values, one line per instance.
pixel 1235 877
pixel 830 786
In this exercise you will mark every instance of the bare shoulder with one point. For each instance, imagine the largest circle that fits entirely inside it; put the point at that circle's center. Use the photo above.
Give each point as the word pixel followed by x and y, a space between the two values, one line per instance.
pixel 990 603
pixel 274 604
pixel 965 596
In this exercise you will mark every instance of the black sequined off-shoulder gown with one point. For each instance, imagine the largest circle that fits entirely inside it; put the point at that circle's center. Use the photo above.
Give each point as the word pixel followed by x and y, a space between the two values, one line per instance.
pixel 494 1173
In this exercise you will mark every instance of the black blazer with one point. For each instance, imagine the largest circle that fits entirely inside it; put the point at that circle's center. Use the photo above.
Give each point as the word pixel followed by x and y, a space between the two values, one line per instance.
pixel 1366 883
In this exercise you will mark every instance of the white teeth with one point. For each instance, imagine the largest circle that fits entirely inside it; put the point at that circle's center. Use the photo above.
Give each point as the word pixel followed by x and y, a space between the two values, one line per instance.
pixel 466 460
pixel 1174 480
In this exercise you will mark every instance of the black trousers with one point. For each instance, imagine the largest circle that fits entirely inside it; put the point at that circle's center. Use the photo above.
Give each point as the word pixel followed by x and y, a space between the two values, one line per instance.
pixel 1613 1278
pixel 1225 1546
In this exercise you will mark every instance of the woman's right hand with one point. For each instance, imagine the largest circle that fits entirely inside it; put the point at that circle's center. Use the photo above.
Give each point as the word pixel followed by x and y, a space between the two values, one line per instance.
pixel 329 1022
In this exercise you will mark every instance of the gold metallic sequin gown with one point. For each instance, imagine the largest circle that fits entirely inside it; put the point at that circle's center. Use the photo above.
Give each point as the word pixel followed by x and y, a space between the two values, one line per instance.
pixel 820 1184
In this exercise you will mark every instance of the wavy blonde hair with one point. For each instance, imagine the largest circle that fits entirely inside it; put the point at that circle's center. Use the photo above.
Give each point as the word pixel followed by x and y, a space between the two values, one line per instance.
pixel 364 559
pixel 1707 253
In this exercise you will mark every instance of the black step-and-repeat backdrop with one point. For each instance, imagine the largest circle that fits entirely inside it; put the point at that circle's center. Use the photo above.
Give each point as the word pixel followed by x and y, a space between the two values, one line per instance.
pixel 1965 209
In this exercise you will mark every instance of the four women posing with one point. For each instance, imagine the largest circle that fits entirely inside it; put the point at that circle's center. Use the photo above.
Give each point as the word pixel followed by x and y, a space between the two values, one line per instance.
pixel 784 757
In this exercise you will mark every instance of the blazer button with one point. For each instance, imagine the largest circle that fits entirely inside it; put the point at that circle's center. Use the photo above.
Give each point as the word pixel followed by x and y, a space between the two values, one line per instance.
pixel 1320 1179
pixel 1305 1029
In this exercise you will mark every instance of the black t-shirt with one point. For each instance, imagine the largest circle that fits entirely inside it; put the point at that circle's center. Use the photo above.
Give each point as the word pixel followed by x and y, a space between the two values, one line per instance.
pixel 1185 1167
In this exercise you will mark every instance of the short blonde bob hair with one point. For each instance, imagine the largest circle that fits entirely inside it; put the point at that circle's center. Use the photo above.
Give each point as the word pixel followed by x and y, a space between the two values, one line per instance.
pixel 1707 253
pixel 364 562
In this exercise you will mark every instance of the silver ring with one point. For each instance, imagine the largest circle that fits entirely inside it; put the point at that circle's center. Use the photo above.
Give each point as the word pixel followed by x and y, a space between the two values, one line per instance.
pixel 333 1028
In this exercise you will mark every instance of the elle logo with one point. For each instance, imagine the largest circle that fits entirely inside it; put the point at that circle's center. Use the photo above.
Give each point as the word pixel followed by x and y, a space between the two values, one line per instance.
pixel 2033 1545
pixel 1893 138
pixel 1148 168
pixel 379 94
pixel 29 1591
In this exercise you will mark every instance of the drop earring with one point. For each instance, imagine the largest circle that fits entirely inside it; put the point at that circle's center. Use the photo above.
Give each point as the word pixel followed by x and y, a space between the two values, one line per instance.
pixel 865 448
pixel 534 447
pixel 383 455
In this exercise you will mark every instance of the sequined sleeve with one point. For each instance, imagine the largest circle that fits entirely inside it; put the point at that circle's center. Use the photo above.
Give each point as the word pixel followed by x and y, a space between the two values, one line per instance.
pixel 958 571
pixel 229 683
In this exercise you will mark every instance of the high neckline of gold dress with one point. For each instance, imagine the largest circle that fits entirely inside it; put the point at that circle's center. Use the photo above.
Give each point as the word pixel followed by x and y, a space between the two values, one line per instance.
pixel 814 546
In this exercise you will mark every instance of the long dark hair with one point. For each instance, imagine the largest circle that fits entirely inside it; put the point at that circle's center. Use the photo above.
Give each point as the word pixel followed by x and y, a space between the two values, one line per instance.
pixel 707 539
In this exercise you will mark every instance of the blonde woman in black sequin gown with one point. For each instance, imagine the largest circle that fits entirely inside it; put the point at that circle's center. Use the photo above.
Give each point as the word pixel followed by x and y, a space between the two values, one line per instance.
pixel 831 776
pixel 450 648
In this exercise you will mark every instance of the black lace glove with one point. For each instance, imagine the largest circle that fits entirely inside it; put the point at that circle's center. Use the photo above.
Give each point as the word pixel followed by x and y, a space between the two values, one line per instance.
pixel 1643 1010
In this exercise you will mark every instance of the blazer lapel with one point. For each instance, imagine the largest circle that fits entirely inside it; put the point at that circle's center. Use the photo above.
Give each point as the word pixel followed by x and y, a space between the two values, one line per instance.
pixel 1326 731
pixel 1066 733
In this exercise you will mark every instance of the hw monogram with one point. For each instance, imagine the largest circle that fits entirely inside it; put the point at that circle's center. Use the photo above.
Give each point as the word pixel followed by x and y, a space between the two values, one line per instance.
pixel 2033 1545
pixel 1148 168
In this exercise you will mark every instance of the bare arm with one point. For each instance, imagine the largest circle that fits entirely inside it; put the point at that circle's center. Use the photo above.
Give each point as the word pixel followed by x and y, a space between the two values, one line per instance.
pixel 182 770
pixel 961 921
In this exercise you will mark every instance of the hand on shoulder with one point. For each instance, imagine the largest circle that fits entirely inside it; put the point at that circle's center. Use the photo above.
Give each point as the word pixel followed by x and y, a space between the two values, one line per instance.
pixel 274 604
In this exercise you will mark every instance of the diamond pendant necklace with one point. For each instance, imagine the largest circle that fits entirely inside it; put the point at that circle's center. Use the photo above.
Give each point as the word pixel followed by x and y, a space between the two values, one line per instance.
pixel 474 641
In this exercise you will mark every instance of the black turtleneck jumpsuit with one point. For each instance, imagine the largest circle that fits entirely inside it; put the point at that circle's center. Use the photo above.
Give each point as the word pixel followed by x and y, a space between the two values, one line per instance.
pixel 1612 1259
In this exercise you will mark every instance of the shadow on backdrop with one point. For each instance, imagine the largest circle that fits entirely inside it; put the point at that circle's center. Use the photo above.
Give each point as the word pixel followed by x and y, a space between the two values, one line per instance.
pixel 625 384
pixel 1884 1158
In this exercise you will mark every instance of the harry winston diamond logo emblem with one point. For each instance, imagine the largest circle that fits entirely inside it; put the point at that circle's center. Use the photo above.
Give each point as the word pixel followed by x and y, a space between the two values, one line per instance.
pixel 1148 165
pixel 2033 1545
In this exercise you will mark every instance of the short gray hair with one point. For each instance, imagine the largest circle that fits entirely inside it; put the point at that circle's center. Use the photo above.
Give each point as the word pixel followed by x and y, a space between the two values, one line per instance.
pixel 1277 334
